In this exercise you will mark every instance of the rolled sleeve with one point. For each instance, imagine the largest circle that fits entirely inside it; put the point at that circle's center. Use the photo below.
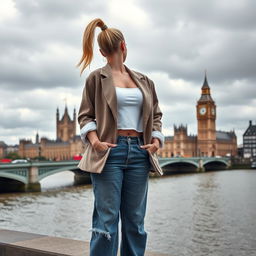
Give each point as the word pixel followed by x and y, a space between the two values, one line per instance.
pixel 87 128
pixel 86 112
pixel 160 136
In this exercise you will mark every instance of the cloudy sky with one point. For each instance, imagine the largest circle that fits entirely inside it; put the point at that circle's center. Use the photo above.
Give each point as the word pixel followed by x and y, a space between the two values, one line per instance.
pixel 172 42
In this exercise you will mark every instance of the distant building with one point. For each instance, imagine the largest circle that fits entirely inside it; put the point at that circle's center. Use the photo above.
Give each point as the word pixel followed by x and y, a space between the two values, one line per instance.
pixel 249 141
pixel 6 149
pixel 3 149
pixel 208 141
pixel 64 147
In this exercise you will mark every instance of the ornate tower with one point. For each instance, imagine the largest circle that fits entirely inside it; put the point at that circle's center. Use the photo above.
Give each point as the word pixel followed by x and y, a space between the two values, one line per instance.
pixel 206 128
pixel 37 137
pixel 65 128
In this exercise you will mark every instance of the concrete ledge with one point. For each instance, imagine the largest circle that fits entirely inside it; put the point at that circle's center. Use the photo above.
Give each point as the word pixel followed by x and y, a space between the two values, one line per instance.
pixel 17 243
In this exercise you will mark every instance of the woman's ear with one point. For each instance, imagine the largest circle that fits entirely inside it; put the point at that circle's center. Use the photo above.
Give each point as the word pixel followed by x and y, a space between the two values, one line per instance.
pixel 122 44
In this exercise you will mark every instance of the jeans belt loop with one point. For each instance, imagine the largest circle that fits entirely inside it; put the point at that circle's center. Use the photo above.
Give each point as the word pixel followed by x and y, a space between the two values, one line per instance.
pixel 138 138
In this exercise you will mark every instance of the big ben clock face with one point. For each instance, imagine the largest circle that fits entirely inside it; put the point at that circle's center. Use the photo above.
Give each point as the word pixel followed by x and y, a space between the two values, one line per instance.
pixel 202 110
pixel 213 111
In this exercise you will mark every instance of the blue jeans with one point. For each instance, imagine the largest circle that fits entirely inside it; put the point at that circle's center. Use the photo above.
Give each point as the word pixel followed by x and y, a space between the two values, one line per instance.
pixel 122 186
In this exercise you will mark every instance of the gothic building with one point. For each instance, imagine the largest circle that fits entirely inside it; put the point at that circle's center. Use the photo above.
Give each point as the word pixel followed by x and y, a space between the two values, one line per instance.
pixel 209 141
pixel 64 147
pixel 65 127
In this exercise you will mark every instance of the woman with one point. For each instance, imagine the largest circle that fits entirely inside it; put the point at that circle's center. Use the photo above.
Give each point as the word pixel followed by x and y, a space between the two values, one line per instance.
pixel 120 125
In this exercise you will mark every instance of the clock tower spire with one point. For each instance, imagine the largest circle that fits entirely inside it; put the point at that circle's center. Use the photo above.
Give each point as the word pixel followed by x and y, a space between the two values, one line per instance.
pixel 206 117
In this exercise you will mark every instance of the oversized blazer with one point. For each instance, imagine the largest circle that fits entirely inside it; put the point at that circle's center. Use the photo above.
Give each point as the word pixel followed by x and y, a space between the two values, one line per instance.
pixel 99 104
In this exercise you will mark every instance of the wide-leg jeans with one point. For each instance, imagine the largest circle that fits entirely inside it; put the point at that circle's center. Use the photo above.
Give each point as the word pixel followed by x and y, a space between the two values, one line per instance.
pixel 121 190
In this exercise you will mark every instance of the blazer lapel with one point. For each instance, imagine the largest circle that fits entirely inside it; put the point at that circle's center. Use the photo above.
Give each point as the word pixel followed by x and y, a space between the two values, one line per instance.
pixel 109 91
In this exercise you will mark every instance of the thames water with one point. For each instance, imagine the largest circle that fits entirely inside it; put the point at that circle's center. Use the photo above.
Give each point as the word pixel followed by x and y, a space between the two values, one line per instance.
pixel 194 214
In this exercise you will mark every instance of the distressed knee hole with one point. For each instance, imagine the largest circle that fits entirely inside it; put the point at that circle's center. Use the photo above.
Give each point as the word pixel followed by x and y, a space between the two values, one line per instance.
pixel 101 232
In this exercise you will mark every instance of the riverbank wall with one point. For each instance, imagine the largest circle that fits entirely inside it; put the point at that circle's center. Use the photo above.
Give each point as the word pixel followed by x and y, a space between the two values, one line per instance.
pixel 17 243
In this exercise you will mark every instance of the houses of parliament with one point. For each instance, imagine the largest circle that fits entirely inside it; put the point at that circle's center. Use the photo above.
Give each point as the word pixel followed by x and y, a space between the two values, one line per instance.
pixel 208 141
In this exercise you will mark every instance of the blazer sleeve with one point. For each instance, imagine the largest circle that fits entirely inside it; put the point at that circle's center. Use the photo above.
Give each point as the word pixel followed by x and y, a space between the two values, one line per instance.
pixel 86 113
pixel 157 116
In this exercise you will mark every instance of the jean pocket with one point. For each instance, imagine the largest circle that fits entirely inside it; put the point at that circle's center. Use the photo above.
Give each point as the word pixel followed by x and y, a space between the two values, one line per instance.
pixel 112 148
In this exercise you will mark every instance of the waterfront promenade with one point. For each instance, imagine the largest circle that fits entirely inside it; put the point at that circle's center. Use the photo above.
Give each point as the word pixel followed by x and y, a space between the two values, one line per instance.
pixel 17 243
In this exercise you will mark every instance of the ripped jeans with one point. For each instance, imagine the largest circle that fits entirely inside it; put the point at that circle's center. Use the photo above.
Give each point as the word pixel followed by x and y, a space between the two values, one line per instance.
pixel 121 190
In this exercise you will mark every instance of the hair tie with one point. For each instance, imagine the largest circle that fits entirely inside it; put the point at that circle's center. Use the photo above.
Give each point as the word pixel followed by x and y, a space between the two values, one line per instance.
pixel 104 27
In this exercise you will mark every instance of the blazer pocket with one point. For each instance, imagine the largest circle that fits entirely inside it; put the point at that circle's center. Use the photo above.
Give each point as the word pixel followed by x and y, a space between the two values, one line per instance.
pixel 101 151
pixel 92 160
pixel 155 163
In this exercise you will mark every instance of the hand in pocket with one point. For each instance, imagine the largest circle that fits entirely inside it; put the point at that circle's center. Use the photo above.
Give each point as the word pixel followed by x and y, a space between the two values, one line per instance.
pixel 102 146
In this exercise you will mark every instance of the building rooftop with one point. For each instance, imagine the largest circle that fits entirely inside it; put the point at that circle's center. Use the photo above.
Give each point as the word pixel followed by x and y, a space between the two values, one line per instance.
pixel 251 130
pixel 222 135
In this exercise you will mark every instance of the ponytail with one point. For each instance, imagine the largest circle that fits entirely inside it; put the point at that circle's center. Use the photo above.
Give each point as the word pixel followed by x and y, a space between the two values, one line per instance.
pixel 108 40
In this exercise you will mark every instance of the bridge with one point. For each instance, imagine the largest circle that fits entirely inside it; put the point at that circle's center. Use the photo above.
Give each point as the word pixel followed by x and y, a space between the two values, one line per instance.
pixel 194 164
pixel 26 177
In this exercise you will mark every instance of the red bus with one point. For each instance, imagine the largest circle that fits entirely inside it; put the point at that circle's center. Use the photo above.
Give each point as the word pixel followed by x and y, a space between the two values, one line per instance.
pixel 77 157
pixel 5 160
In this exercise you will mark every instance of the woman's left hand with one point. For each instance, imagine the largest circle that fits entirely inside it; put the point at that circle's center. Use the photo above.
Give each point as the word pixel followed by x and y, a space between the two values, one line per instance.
pixel 153 147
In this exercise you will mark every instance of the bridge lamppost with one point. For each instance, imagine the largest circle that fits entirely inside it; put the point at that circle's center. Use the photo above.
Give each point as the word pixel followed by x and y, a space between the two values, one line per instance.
pixel 199 152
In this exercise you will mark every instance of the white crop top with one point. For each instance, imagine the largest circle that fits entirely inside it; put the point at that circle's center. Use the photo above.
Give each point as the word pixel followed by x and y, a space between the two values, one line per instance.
pixel 129 108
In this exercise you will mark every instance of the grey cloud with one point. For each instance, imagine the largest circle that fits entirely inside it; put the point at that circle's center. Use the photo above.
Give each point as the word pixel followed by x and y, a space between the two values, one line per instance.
pixel 225 56
pixel 25 60
pixel 47 9
pixel 188 37
pixel 234 15
pixel 26 74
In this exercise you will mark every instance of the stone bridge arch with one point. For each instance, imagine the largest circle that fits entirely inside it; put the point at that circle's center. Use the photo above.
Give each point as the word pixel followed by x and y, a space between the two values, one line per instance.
pixel 179 165
pixel 44 173
pixel 215 164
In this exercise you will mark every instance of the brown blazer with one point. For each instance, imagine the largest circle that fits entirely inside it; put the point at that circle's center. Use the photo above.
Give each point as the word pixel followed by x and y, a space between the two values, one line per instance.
pixel 99 104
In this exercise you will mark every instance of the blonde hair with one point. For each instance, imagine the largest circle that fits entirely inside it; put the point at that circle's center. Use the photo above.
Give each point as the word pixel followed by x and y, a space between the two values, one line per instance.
pixel 108 41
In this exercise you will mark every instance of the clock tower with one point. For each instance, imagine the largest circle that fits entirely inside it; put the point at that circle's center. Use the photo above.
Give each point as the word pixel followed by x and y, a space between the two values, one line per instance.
pixel 206 128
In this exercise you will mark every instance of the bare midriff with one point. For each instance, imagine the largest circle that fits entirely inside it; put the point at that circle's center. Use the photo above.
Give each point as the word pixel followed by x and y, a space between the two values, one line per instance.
pixel 129 132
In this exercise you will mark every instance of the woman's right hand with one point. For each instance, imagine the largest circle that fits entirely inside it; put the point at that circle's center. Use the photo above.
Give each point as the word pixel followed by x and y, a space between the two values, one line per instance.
pixel 101 146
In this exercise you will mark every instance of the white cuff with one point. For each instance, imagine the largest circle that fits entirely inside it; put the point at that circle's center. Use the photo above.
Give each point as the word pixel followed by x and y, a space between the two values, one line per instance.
pixel 160 136
pixel 88 127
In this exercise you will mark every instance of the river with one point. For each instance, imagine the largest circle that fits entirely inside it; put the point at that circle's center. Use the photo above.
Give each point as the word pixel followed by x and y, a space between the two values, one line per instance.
pixel 211 213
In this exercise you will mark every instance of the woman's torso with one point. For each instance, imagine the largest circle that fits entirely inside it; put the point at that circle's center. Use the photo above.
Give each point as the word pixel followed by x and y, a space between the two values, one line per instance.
pixel 129 102
pixel 129 108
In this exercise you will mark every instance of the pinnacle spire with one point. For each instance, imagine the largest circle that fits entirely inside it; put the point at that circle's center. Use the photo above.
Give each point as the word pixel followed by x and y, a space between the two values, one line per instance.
pixel 205 85
pixel 66 107
pixel 205 91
